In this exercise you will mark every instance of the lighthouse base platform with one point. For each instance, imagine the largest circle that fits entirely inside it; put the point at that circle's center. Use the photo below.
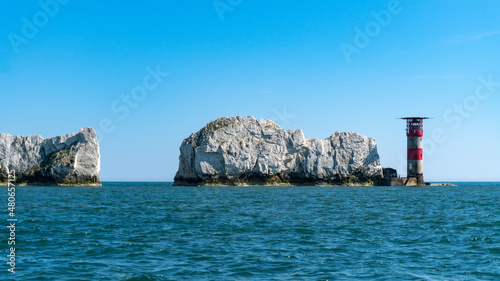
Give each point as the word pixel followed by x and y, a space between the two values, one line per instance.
pixel 411 181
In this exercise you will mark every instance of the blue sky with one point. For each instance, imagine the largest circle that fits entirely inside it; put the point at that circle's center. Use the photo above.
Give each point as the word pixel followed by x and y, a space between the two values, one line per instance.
pixel 68 64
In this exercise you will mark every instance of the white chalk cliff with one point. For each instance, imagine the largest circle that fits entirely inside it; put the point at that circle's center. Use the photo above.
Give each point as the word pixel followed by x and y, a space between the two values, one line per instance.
pixel 72 159
pixel 245 150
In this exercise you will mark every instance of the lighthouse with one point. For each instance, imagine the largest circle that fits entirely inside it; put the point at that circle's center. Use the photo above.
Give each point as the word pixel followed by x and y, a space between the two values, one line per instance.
pixel 415 157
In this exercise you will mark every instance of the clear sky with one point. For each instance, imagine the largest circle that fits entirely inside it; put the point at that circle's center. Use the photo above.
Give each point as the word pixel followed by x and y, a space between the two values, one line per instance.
pixel 321 66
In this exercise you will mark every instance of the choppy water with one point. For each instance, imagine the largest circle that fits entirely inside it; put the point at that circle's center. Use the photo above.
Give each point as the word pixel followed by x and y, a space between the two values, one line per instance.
pixel 147 231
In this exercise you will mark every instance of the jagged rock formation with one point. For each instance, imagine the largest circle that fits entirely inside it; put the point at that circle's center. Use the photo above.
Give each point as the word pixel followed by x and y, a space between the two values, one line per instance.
pixel 72 159
pixel 245 150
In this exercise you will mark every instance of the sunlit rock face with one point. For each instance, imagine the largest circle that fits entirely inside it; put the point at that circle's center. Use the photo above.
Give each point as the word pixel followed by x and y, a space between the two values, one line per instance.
pixel 247 151
pixel 72 159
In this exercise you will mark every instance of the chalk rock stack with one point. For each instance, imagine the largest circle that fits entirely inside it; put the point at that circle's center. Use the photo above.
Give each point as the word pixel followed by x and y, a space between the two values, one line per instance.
pixel 72 159
pixel 249 151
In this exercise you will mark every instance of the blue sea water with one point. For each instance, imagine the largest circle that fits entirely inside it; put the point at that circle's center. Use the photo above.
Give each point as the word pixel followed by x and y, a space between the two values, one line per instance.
pixel 155 231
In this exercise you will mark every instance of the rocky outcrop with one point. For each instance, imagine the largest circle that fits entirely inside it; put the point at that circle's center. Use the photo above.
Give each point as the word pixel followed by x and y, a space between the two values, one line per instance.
pixel 72 159
pixel 246 151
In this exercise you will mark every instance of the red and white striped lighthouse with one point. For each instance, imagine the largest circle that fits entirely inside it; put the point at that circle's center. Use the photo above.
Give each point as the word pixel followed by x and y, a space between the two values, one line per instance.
pixel 415 159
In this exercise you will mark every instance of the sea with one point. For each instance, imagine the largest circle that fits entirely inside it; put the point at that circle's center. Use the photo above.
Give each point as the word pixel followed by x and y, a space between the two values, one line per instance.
pixel 157 231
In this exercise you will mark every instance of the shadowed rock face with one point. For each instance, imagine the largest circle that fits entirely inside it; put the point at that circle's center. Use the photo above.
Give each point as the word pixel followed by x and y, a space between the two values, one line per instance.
pixel 72 159
pixel 245 150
